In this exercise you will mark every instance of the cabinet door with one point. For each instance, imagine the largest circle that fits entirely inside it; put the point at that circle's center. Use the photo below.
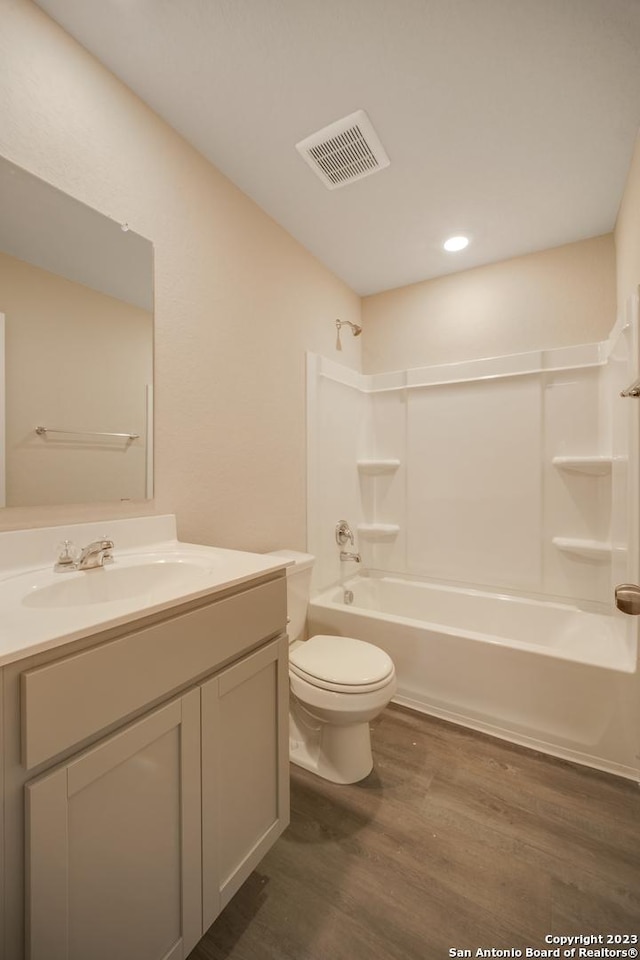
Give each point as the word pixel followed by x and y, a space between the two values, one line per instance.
pixel 245 770
pixel 113 845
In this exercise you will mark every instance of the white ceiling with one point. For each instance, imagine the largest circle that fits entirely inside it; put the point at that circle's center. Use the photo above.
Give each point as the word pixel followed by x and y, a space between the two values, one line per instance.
pixel 510 120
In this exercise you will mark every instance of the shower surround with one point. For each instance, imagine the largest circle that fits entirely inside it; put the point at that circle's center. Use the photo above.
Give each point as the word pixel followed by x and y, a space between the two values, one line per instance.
pixel 495 503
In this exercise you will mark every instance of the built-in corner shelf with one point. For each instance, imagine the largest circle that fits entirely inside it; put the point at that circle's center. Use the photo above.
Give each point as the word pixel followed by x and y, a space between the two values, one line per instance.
pixel 595 466
pixel 378 467
pixel 378 531
pixel 596 550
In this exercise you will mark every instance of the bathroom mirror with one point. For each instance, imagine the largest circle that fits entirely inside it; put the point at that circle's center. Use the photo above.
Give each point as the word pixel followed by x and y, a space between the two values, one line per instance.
pixel 76 334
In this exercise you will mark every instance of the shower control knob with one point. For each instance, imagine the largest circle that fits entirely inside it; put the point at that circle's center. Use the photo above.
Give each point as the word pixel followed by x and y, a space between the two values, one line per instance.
pixel 628 598
pixel 344 533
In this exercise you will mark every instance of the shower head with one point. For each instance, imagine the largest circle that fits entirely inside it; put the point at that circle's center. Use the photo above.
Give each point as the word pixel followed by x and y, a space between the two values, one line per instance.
pixel 355 329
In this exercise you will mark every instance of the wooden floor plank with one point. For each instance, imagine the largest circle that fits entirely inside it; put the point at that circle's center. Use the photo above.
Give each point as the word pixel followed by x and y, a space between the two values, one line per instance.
pixel 455 840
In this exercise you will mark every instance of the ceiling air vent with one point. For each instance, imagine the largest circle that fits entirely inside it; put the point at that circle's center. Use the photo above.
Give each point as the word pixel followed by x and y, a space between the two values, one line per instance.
pixel 346 150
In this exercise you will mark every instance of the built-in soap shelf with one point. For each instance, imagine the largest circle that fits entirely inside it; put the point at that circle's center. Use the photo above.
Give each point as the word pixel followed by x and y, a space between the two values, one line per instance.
pixel 596 466
pixel 377 467
pixel 378 531
pixel 596 550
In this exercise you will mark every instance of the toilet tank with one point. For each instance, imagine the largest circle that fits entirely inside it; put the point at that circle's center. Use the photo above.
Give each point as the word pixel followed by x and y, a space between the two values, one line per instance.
pixel 298 589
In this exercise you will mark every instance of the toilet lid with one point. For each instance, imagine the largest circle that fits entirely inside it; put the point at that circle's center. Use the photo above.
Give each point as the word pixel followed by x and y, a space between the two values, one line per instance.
pixel 339 662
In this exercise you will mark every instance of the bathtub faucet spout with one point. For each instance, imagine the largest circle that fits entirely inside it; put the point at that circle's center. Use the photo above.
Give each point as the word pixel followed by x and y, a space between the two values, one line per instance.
pixel 344 555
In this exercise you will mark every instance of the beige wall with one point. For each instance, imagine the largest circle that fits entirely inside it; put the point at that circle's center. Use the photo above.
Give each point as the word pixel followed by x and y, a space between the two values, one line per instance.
pixel 78 360
pixel 627 233
pixel 553 298
pixel 238 301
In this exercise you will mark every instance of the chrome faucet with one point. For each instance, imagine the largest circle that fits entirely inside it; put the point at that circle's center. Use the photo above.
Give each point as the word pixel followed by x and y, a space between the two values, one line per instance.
pixel 96 554
pixel 344 535
pixel 344 555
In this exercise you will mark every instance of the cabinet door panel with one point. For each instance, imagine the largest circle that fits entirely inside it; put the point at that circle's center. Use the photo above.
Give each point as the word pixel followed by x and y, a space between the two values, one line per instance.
pixel 113 845
pixel 245 775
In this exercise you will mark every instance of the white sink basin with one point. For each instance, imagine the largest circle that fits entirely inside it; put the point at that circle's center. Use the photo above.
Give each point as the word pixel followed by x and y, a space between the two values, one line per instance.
pixel 40 608
pixel 147 580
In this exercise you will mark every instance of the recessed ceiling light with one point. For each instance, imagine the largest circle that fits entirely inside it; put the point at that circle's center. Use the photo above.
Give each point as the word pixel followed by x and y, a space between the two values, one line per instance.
pixel 454 244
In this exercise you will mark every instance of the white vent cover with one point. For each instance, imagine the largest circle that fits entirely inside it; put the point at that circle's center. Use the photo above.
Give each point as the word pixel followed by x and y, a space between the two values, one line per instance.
pixel 346 150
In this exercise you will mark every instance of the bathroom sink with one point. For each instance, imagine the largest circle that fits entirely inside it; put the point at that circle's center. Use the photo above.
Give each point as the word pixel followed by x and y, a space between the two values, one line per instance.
pixel 145 580
pixel 41 608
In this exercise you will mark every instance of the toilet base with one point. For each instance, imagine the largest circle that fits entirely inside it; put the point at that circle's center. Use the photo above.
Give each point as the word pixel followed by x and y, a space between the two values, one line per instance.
pixel 341 754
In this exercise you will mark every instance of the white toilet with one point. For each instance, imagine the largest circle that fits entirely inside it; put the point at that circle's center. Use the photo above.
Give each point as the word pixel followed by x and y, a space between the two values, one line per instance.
pixel 337 684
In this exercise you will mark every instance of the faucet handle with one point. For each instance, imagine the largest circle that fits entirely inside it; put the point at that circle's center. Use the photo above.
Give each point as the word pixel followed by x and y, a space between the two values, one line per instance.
pixel 344 533
pixel 67 556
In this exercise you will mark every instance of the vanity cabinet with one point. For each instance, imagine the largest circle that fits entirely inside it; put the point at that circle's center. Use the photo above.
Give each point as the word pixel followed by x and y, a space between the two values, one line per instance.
pixel 136 816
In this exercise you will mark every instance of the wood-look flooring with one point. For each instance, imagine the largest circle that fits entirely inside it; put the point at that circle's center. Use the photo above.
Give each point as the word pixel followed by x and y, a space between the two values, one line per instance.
pixel 456 840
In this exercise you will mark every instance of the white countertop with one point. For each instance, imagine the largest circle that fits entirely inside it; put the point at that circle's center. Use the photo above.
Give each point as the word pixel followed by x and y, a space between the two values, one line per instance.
pixel 41 609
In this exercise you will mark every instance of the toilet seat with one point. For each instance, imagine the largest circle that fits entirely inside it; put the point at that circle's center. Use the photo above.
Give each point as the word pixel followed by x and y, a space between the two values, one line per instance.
pixel 341 664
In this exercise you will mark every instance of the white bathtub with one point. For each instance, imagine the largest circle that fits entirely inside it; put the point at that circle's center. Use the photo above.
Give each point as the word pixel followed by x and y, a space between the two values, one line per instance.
pixel 549 675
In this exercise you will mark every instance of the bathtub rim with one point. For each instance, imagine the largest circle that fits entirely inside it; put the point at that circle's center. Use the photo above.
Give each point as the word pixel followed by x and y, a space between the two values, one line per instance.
pixel 626 662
